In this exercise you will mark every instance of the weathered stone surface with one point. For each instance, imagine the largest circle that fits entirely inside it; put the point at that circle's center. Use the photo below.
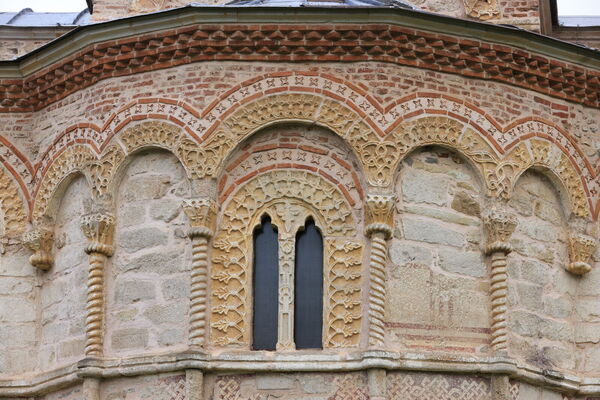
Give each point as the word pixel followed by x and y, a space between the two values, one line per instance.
pixel 127 339
pixel 431 232
pixel 274 382
pixel 402 253
pixel 143 238
pixel 176 288
pixel 128 292
pixel 461 262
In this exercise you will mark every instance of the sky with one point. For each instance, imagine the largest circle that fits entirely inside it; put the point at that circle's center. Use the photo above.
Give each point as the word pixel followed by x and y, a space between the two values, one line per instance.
pixel 565 7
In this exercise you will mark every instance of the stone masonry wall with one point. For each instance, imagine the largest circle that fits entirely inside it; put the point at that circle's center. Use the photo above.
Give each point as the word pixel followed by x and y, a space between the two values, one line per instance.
pixel 438 285
pixel 542 293
pixel 148 283
pixel 18 311
pixel 63 288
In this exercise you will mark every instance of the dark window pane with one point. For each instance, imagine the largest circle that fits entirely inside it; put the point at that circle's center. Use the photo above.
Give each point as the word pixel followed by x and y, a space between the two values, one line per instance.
pixel 266 286
pixel 308 303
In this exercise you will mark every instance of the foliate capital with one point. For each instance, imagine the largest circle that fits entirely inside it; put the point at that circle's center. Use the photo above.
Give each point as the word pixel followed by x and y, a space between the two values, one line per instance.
pixel 581 248
pixel 380 214
pixel 40 241
pixel 499 226
pixel 99 228
pixel 202 213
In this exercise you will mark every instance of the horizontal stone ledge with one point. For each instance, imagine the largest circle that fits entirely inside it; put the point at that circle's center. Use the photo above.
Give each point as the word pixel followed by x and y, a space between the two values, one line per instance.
pixel 257 362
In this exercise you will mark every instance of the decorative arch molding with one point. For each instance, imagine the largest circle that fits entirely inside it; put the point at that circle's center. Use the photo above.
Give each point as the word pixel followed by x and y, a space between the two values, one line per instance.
pixel 287 195
pixel 209 136
pixel 14 210
pixel 102 169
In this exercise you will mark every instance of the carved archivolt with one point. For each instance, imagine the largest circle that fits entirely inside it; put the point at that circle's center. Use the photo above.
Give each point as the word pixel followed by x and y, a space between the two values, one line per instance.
pixel 288 196
pixel 13 209
pixel 378 136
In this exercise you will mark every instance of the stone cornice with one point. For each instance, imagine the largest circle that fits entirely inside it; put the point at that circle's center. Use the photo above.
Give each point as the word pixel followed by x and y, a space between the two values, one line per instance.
pixel 89 54
pixel 256 361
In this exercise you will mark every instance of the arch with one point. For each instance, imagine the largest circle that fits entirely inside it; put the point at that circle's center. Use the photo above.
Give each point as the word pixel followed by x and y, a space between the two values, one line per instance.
pixel 290 195
pixel 545 155
pixel 72 161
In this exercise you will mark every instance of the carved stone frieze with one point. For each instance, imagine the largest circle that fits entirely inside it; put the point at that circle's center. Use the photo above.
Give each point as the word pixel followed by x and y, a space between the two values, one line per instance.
pixel 482 9
pixel 40 241
pixel 13 208
pixel 581 248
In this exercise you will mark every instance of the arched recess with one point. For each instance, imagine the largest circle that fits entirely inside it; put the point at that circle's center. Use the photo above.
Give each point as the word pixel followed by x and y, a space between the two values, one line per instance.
pixel 62 317
pixel 546 156
pixel 542 293
pixel 289 196
pixel 148 278
pixel 438 283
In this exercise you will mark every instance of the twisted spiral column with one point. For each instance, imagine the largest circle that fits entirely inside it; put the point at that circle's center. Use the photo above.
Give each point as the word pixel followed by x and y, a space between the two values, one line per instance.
pixel 99 229
pixel 199 284
pixel 499 226
pixel 377 291
pixel 379 217
pixel 498 294
pixel 202 217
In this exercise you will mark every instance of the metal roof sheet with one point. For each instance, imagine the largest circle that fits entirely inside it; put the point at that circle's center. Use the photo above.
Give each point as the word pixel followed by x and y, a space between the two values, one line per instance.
pixel 28 17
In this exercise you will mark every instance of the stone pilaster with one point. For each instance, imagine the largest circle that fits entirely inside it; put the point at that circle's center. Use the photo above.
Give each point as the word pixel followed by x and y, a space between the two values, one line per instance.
pixel 202 216
pixel 379 221
pixel 499 225
pixel 581 248
pixel 99 229
pixel 40 241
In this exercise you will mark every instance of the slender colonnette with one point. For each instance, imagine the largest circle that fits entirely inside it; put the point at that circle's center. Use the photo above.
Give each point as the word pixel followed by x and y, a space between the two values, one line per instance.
pixel 99 228
pixel 500 225
pixel 379 218
pixel 202 216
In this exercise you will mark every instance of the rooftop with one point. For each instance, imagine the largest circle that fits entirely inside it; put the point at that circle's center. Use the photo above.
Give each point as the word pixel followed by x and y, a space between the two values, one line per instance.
pixel 29 18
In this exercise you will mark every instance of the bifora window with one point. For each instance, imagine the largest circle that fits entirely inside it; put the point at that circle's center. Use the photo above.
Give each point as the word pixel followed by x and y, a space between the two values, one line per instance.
pixel 287 288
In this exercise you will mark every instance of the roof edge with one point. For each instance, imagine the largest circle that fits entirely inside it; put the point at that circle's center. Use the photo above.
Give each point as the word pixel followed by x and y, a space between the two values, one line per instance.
pixel 84 36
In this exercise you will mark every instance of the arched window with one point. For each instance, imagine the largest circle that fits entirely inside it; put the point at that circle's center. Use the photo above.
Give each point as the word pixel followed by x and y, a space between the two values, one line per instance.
pixel 265 286
pixel 308 284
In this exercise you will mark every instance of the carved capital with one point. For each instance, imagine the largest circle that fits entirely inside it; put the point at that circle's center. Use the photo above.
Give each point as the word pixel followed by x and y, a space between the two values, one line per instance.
pixel 99 228
pixel 40 241
pixel 499 226
pixel 581 248
pixel 202 214
pixel 379 215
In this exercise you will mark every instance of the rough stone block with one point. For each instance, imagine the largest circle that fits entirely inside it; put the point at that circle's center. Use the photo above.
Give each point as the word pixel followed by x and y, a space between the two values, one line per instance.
pixel 274 382
pixel 423 230
pixel 461 262
pixel 143 238
pixel 167 314
pixel 176 288
pixel 414 191
pixel 165 210
pixel 131 291
pixel 129 338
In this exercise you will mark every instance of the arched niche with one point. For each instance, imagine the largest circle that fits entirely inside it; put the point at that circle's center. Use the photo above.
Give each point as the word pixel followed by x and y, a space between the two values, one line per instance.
pixel 542 294
pixel 62 317
pixel 148 279
pixel 438 283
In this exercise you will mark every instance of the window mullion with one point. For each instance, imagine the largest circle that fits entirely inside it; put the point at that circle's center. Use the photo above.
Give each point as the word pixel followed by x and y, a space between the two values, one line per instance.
pixel 285 338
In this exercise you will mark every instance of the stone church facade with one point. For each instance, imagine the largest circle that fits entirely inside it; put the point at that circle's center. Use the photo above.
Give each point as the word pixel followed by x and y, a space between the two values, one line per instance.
pixel 450 167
